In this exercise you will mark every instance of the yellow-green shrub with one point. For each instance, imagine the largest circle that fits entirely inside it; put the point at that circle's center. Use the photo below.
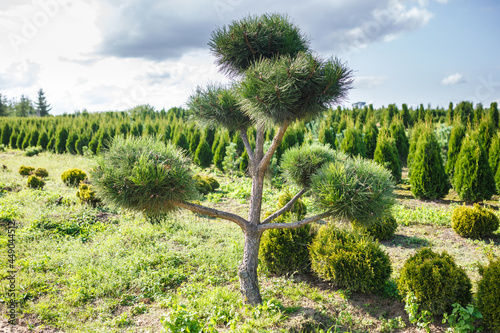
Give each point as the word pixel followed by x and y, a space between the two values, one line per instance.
pixel 382 229
pixel 286 250
pixel 205 184
pixel 41 172
pixel 488 294
pixel 87 195
pixel 73 177
pixel 435 280
pixel 473 222
pixel 349 259
pixel 26 170
pixel 35 182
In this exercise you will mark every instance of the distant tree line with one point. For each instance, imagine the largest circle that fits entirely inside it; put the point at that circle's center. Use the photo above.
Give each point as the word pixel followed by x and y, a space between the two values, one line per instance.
pixel 25 107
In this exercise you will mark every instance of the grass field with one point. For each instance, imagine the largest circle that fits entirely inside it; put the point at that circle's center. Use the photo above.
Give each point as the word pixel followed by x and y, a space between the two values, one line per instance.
pixel 84 269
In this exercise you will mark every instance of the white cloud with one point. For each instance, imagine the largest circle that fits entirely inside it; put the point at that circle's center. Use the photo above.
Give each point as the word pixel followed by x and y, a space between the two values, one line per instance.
pixel 20 74
pixel 367 82
pixel 453 79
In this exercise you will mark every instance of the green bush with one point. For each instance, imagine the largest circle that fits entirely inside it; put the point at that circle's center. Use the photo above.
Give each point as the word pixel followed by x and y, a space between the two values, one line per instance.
pixel 387 155
pixel 299 209
pixel 143 174
pixel 428 179
pixel 397 129
pixel 73 177
pixel 300 163
pixel 87 195
pixel 473 222
pixel 41 172
pixel 435 280
pixel 473 179
pixel 32 151
pixel 488 294
pixel 354 189
pixel 349 260
pixel 35 182
pixel 370 138
pixel 205 184
pixel 203 154
pixel 382 228
pixel 26 170
pixel 352 143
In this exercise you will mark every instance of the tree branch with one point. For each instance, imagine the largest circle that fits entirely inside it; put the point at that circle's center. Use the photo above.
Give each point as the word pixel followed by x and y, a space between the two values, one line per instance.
pixel 214 213
pixel 286 207
pixel 248 147
pixel 297 224
pixel 274 145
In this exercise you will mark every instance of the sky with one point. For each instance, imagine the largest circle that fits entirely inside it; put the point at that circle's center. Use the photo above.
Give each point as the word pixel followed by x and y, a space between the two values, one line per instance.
pixel 106 55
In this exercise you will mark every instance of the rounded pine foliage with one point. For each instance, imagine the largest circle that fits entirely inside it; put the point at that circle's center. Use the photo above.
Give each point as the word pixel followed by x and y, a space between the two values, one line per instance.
pixel 41 172
pixel 143 174
pixel 73 177
pixel 387 155
pixel 428 179
pixel 349 259
pixel 473 222
pixel 473 179
pixel 217 106
pixel 354 189
pixel 436 281
pixel 456 136
pixel 285 89
pixel 381 229
pixel 26 170
pixel 300 163
pixel 488 294
pixel 35 182
pixel 252 38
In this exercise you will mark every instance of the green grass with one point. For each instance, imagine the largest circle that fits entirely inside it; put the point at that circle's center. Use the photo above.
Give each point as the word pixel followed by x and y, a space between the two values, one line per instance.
pixel 84 269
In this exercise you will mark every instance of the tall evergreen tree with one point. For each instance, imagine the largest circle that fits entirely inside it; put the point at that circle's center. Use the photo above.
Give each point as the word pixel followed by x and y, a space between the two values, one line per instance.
pixel 352 143
pixel 473 179
pixel 465 112
pixel 428 178
pixel 4 109
pixel 43 140
pixel 370 137
pixel 24 107
pixel 450 116
pixel 6 133
pixel 454 144
pixel 387 155
pixel 406 116
pixel 42 108
pixel 61 138
pixel 493 113
pixel 398 133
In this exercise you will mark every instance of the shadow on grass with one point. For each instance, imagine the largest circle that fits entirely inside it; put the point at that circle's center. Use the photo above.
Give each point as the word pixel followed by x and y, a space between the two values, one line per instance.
pixel 412 242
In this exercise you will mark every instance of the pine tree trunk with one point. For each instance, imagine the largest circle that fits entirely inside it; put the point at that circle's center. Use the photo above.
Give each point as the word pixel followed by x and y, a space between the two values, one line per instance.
pixel 247 271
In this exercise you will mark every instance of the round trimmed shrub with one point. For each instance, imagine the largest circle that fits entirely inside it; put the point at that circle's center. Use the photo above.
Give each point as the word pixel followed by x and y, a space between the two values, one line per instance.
pixel 35 182
pixel 41 172
pixel 382 228
pixel 205 184
pixel 300 163
pixel 473 222
pixel 26 170
pixel 354 189
pixel 436 281
pixel 488 294
pixel 349 260
pixel 286 250
pixel 143 174
pixel 87 195
pixel 73 177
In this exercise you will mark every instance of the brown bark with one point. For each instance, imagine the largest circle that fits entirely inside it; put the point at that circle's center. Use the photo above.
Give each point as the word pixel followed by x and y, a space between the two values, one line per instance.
pixel 247 271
